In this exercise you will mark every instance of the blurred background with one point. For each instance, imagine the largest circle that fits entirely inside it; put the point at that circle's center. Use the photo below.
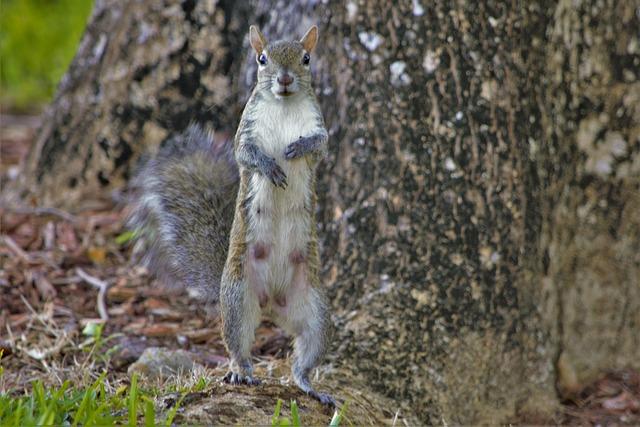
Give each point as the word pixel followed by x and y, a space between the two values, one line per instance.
pixel 38 39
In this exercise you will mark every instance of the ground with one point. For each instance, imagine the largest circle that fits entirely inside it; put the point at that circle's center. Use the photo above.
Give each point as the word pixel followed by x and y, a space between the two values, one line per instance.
pixel 62 273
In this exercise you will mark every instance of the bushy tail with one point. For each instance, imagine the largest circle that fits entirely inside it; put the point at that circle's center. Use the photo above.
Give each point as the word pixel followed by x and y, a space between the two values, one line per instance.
pixel 182 210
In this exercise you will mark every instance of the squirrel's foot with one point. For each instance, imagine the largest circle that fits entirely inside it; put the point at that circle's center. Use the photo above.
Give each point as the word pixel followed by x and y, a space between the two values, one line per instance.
pixel 323 398
pixel 301 378
pixel 236 379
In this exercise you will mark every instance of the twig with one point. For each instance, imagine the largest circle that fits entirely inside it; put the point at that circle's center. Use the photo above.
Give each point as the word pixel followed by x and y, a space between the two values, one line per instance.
pixel 44 286
pixel 17 249
pixel 395 418
pixel 29 258
pixel 35 353
pixel 102 291
pixel 66 280
pixel 43 211
pixel 39 317
pixel 41 354
pixel 12 340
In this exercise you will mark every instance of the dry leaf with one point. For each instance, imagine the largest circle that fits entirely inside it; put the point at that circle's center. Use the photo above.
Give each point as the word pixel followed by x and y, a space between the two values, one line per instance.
pixel 155 303
pixel 67 237
pixel 199 336
pixel 97 255
pixel 160 330
pixel 121 293
pixel 622 402
pixel 44 286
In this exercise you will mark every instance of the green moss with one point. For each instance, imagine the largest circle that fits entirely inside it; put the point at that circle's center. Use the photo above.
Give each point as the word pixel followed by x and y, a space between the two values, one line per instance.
pixel 38 39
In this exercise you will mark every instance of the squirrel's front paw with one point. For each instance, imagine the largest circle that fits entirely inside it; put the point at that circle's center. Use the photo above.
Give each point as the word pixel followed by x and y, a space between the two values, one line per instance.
pixel 275 174
pixel 295 150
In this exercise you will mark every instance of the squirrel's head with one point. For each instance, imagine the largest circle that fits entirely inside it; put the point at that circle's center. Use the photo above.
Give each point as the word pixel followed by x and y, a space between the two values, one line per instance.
pixel 283 66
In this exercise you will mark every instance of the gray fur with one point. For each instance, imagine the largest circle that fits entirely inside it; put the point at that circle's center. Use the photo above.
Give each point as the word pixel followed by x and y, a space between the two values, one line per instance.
pixel 183 208
pixel 310 347
pixel 247 153
pixel 315 144
pixel 251 157
pixel 238 328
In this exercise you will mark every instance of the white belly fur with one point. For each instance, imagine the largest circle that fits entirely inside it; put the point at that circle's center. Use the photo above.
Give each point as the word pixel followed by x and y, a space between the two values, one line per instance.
pixel 283 224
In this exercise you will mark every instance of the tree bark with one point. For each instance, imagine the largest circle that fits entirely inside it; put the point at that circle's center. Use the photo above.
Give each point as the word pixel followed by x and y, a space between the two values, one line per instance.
pixel 479 208
pixel 590 171
pixel 143 70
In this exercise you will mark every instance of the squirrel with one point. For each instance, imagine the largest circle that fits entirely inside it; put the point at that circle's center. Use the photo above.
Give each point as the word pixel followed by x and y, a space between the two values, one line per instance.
pixel 185 215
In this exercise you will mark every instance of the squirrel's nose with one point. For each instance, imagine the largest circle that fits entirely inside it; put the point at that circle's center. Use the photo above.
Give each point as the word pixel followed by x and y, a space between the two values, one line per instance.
pixel 285 79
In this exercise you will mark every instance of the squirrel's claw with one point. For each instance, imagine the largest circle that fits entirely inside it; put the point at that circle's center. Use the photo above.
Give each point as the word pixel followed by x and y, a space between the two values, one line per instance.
pixel 323 398
pixel 294 150
pixel 277 176
pixel 235 378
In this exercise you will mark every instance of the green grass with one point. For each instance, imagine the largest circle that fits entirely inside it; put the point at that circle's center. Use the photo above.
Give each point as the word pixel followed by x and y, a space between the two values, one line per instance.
pixel 281 421
pixel 93 405
pixel 339 416
pixel 90 406
pixel 62 406
pixel 38 39
pixel 126 237
pixel 278 420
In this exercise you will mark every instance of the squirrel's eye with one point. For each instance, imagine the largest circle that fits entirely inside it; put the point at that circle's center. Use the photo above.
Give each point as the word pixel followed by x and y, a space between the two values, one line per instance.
pixel 262 59
pixel 305 59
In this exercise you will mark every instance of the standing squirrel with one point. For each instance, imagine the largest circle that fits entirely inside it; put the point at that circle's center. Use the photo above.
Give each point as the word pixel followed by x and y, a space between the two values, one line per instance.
pixel 272 263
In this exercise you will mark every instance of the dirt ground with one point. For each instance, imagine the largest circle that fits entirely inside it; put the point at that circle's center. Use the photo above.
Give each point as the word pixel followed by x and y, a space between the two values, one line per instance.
pixel 60 271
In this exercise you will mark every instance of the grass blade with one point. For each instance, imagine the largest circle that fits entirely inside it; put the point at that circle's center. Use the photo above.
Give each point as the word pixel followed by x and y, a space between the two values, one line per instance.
pixel 92 418
pixel 133 401
pixel 295 417
pixel 38 393
pixel 89 397
pixel 276 413
pixel 149 413
pixel 126 237
pixel 82 409
pixel 172 413
pixel 337 416
pixel 46 419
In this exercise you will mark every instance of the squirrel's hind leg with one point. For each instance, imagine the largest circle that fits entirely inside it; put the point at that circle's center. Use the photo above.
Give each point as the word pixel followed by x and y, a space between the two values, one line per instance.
pixel 239 322
pixel 306 316
pixel 311 343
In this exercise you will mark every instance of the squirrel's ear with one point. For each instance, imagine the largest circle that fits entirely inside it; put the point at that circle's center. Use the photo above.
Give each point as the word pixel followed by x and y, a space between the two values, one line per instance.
pixel 310 39
pixel 257 40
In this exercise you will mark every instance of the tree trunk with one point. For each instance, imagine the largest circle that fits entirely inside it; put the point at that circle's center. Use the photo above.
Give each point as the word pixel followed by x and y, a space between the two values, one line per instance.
pixel 479 207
